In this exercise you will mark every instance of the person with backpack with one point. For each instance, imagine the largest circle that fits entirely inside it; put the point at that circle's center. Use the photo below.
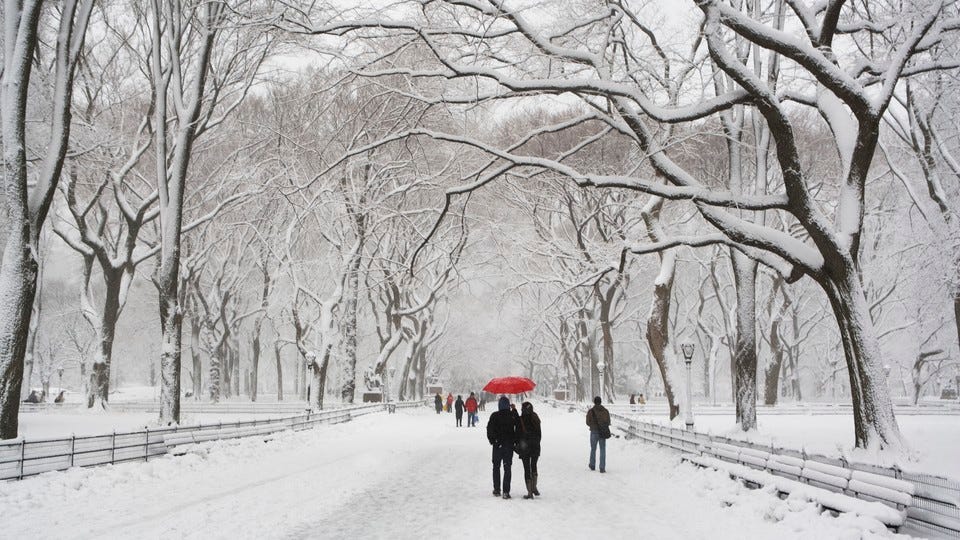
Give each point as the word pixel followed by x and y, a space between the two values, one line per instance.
pixel 598 420
pixel 502 433
pixel 471 406
pixel 458 406
pixel 528 447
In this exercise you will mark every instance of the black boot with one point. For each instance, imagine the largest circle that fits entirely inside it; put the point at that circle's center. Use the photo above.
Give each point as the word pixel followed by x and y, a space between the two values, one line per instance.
pixel 529 494
pixel 533 484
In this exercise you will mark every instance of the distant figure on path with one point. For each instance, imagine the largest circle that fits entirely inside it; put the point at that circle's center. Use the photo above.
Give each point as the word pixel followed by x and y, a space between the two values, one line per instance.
pixel 502 432
pixel 458 406
pixel 449 402
pixel 598 420
pixel 60 398
pixel 641 400
pixel 471 406
pixel 483 402
pixel 438 402
pixel 34 397
pixel 633 399
pixel 529 448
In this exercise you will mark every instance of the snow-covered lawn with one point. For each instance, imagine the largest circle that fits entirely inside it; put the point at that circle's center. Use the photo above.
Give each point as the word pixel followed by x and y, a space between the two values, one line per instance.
pixel 78 421
pixel 408 475
pixel 934 440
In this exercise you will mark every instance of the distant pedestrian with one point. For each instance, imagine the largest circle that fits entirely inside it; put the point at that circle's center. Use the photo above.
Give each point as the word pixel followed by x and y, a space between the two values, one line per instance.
pixel 458 406
pixel 633 399
pixel 60 398
pixel 34 397
pixel 529 447
pixel 483 402
pixel 438 402
pixel 502 432
pixel 641 400
pixel 598 420
pixel 449 402
pixel 471 406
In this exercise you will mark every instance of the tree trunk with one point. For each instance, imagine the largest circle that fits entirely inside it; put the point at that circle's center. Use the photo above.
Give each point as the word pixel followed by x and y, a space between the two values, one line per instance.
pixel 195 357
pixel 276 355
pixel 255 365
pixel 745 351
pixel 171 319
pixel 18 275
pixel 98 392
pixel 771 377
pixel 320 381
pixel 658 323
pixel 875 425
pixel 348 390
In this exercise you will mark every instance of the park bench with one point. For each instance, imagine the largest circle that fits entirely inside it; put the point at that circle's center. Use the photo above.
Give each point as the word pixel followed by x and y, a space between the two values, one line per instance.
pixel 836 488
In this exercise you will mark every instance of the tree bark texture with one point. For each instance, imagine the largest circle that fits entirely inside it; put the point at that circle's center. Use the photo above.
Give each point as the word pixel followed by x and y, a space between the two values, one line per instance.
pixel 745 350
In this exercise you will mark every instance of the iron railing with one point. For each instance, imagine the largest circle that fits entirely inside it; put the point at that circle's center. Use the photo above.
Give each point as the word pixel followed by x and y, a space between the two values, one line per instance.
pixel 21 458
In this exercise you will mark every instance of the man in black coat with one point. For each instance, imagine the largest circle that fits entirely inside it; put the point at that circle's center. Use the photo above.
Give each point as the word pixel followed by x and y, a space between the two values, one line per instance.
pixel 502 432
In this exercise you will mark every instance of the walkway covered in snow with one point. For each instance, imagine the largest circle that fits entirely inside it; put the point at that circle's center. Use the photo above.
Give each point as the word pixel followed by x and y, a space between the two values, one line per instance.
pixel 408 475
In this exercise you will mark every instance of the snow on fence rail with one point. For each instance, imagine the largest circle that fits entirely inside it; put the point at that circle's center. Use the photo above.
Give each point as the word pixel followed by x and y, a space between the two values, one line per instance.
pixel 928 503
pixel 20 458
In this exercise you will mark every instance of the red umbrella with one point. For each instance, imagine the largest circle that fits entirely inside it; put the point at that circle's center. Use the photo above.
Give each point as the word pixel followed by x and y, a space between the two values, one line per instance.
pixel 509 385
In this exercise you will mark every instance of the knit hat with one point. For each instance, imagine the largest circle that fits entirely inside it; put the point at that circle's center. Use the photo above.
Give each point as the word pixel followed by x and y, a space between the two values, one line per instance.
pixel 596 400
pixel 503 404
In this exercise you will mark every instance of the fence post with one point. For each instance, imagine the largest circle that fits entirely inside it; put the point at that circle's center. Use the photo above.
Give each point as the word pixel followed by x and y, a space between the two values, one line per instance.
pixel 73 447
pixel 146 443
pixel 113 447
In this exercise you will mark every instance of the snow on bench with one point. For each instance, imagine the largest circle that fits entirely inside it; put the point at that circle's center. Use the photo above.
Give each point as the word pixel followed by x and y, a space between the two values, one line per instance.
pixel 828 499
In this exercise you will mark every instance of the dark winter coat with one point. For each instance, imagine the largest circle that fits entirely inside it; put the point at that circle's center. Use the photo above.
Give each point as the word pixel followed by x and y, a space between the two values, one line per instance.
pixel 598 416
pixel 530 433
pixel 458 407
pixel 502 427
pixel 438 402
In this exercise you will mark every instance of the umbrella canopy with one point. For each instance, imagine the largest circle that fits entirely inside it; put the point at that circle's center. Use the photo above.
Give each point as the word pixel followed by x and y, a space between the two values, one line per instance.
pixel 509 385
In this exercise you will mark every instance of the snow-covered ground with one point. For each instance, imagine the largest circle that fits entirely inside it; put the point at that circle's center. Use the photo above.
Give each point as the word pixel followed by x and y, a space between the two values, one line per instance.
pixel 934 440
pixel 78 421
pixel 408 475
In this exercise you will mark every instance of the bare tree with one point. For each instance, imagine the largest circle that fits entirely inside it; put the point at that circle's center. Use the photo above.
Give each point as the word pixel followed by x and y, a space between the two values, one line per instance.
pixel 27 200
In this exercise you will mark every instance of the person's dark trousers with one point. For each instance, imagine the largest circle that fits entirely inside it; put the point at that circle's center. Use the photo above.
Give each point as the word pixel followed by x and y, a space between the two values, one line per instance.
pixel 502 454
pixel 529 467
pixel 459 420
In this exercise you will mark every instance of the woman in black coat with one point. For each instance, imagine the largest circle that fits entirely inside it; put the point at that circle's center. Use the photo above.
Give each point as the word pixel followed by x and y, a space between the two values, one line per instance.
pixel 529 447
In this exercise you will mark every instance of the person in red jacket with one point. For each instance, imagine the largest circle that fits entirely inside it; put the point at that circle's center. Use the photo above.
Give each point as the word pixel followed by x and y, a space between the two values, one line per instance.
pixel 449 402
pixel 471 406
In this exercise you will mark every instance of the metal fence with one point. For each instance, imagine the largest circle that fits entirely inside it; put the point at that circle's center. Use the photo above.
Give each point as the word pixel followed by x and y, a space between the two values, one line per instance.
pixel 935 502
pixel 21 458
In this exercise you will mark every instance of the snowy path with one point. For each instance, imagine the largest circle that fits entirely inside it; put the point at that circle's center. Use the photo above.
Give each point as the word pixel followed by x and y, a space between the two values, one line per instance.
pixel 408 475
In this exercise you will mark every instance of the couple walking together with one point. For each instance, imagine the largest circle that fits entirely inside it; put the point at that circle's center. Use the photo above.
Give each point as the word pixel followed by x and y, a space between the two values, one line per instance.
pixel 509 432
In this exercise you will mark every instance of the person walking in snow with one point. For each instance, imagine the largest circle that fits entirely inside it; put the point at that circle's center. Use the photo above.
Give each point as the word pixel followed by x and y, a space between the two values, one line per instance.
pixel 458 406
pixel 502 432
pixel 529 447
pixel 438 402
pixel 449 402
pixel 471 406
pixel 598 420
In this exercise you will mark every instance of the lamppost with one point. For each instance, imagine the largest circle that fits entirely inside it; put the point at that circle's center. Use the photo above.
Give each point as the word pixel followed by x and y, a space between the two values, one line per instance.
pixel 309 360
pixel 60 374
pixel 600 367
pixel 390 371
pixel 687 349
